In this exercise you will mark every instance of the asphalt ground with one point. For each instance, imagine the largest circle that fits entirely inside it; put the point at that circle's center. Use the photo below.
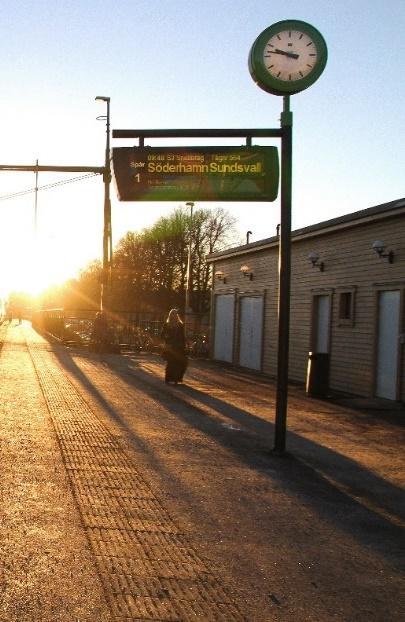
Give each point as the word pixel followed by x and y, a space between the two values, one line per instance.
pixel 125 499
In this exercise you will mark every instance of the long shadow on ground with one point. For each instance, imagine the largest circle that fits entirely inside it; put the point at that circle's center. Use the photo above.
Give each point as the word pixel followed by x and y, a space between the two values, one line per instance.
pixel 340 490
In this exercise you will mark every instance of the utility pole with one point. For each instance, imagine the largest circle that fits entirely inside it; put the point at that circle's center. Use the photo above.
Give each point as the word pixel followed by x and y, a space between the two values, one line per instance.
pixel 107 235
pixel 36 199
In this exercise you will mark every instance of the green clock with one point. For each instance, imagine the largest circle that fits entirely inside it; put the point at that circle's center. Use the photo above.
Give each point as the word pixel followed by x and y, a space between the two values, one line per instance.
pixel 287 57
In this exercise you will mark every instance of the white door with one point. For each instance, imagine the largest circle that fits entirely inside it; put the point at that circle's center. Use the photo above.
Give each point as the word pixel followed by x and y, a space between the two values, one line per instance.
pixel 388 344
pixel 251 332
pixel 322 326
pixel 224 320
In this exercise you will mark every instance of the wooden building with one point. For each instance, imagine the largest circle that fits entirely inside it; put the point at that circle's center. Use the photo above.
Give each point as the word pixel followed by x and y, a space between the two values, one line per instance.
pixel 347 300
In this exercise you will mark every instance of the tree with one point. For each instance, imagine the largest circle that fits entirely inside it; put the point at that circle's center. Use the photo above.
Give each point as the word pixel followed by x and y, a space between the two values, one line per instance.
pixel 211 231
pixel 150 267
pixel 84 292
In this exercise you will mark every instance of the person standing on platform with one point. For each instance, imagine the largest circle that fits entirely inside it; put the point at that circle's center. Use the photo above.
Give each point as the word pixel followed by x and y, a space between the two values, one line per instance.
pixel 100 332
pixel 174 349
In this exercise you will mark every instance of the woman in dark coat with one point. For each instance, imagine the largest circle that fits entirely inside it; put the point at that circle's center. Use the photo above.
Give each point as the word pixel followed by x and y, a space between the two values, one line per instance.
pixel 174 350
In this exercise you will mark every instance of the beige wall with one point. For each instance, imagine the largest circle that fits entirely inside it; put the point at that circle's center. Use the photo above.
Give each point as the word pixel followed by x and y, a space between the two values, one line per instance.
pixel 349 261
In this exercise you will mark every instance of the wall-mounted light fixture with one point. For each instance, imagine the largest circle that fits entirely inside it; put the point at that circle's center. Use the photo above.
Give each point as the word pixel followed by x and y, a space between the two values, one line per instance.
pixel 314 259
pixel 246 271
pixel 220 276
pixel 379 247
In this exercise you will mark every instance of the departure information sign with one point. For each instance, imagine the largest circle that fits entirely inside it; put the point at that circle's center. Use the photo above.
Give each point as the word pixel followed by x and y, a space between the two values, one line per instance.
pixel 196 173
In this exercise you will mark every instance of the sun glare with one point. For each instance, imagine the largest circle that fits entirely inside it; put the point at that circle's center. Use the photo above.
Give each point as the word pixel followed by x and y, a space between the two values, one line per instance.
pixel 44 243
pixel 34 271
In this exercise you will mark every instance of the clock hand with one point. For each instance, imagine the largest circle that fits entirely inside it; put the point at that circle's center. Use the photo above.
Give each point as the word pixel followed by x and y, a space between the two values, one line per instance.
pixel 289 54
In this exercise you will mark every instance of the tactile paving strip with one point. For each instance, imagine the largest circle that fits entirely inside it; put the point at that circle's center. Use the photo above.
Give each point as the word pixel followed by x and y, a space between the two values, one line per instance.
pixel 148 569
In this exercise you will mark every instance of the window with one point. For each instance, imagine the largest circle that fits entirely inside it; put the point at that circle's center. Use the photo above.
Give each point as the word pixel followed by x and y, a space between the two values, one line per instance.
pixel 346 307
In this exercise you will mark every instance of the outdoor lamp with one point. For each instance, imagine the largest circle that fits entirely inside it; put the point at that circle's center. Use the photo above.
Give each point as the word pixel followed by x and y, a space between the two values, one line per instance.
pixel 220 276
pixel 105 297
pixel 102 98
pixel 379 247
pixel 314 259
pixel 246 271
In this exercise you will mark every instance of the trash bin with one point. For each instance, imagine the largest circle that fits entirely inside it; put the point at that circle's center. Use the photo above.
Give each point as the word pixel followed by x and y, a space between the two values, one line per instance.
pixel 317 374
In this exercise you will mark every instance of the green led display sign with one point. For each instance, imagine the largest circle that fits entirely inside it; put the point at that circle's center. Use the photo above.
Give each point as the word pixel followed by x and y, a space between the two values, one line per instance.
pixel 196 173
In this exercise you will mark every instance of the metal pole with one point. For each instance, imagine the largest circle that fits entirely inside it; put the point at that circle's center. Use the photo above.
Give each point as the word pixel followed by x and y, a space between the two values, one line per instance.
pixel 36 199
pixel 107 233
pixel 187 309
pixel 284 279
pixel 108 199
pixel 26 168
pixel 199 133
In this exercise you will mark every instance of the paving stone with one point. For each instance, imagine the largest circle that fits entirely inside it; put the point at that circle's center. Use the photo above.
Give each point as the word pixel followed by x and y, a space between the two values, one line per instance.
pixel 148 569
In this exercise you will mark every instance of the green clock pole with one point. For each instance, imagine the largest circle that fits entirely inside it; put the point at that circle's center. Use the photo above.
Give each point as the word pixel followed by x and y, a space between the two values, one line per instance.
pixel 284 279
pixel 286 58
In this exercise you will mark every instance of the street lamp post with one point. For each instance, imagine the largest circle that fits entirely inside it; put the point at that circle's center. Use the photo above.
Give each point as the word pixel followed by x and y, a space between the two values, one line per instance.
pixel 187 309
pixel 107 234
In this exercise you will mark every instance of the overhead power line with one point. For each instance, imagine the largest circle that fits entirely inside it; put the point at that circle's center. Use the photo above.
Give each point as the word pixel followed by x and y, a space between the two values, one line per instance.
pixel 62 182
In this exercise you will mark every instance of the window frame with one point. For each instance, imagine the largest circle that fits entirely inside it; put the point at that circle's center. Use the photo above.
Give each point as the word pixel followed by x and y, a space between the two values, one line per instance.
pixel 351 320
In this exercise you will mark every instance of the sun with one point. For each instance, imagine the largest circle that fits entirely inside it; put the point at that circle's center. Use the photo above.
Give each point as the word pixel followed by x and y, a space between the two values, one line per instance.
pixel 45 243
pixel 24 276
pixel 34 269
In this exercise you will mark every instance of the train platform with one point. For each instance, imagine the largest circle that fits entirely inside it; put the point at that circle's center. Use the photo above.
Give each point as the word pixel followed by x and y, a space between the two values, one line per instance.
pixel 124 499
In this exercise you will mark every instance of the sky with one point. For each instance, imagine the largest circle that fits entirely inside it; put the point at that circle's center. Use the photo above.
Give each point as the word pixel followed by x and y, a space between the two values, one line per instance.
pixel 183 64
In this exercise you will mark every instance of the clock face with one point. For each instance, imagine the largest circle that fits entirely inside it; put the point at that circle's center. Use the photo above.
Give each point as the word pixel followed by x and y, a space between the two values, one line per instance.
pixel 290 55
pixel 287 57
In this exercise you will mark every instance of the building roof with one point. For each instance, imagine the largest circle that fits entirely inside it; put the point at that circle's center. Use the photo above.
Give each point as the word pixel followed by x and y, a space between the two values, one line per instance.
pixel 385 210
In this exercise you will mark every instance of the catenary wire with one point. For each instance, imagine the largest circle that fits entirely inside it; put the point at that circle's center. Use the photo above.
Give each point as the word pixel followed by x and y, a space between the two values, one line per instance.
pixel 46 186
